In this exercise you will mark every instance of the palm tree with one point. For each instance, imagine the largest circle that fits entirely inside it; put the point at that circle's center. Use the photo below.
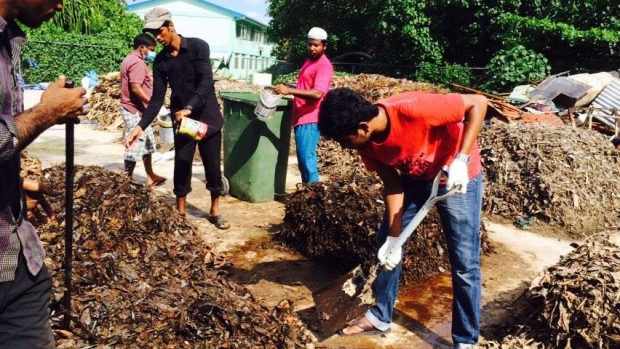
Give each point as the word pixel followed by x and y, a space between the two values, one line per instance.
pixel 88 16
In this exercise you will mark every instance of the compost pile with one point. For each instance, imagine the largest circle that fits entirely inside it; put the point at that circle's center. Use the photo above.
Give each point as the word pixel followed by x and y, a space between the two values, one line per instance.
pixel 567 178
pixel 226 85
pixel 374 87
pixel 574 304
pixel 337 220
pixel 31 166
pixel 105 98
pixel 142 278
pixel 104 102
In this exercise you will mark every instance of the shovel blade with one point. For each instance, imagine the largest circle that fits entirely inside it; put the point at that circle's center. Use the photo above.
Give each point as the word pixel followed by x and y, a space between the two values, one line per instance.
pixel 344 299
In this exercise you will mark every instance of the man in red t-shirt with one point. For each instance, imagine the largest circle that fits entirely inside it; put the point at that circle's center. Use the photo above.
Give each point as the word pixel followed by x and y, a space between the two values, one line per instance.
pixel 407 139
pixel 136 91
pixel 313 82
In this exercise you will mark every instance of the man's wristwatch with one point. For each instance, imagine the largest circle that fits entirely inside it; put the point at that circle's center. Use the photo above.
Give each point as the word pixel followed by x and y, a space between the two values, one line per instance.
pixel 463 157
pixel 188 107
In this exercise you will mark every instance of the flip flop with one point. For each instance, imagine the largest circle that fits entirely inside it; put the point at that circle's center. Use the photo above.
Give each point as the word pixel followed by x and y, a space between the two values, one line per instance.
pixel 158 182
pixel 367 330
pixel 219 221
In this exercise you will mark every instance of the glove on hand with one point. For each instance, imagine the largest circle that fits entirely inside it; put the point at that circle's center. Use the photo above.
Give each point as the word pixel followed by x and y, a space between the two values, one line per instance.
pixel 458 175
pixel 390 254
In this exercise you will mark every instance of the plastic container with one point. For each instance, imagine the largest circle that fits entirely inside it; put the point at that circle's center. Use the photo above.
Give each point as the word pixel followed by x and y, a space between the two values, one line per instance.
pixel 166 133
pixel 267 104
pixel 255 152
pixel 192 128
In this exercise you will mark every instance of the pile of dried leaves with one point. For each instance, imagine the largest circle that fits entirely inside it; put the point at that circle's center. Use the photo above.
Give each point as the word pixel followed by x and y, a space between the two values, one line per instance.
pixel 106 96
pixel 568 178
pixel 574 304
pixel 374 87
pixel 338 220
pixel 105 100
pixel 142 278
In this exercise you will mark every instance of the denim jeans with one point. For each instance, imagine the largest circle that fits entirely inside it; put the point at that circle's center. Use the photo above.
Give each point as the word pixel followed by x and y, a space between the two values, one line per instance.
pixel 460 219
pixel 306 140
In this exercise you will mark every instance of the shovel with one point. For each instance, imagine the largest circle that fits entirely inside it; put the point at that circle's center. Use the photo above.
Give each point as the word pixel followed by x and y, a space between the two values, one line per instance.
pixel 351 295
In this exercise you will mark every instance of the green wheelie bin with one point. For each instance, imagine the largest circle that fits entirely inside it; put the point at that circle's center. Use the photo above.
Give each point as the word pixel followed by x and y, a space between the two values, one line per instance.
pixel 256 150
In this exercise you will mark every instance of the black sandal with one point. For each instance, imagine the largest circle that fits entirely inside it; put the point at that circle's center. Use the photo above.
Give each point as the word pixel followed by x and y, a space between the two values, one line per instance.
pixel 219 221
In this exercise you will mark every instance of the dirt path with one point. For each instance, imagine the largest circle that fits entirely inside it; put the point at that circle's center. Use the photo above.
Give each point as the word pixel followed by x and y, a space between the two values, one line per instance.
pixel 272 275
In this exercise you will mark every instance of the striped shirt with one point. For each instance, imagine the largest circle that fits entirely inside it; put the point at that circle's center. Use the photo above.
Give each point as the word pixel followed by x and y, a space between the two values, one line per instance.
pixel 16 233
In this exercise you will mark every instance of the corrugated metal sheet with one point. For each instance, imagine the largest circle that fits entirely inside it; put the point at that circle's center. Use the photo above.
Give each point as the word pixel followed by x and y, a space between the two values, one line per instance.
pixel 608 98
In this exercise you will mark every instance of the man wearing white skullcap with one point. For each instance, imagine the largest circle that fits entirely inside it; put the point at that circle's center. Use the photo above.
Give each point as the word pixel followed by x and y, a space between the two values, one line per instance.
pixel 313 82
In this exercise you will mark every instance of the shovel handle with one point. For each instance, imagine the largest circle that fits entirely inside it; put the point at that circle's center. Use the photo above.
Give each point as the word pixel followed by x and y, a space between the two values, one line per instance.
pixel 423 211
pixel 69 153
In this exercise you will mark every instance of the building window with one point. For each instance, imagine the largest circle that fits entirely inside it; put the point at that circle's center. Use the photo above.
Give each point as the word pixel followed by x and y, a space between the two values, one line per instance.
pixel 242 31
pixel 237 61
pixel 257 36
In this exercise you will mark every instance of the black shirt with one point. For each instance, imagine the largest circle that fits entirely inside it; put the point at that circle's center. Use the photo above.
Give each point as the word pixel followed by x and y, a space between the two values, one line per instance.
pixel 191 80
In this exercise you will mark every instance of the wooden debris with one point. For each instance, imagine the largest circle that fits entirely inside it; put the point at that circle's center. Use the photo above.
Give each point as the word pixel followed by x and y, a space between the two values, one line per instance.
pixel 497 103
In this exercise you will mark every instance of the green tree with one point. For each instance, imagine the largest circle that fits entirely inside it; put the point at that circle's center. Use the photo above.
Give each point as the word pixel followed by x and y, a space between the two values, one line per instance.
pixel 572 34
pixel 87 35
pixel 395 32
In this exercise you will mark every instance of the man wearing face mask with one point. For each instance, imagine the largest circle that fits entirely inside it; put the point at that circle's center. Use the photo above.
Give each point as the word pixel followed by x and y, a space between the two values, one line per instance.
pixel 136 91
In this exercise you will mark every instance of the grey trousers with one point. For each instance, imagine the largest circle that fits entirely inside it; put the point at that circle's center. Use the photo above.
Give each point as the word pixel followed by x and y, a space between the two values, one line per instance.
pixel 24 310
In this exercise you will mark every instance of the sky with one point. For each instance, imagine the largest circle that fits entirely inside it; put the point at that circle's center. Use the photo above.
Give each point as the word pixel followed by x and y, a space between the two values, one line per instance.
pixel 256 9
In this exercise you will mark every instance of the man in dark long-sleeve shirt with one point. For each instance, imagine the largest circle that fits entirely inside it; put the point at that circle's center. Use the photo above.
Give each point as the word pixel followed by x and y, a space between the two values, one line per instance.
pixel 25 284
pixel 184 64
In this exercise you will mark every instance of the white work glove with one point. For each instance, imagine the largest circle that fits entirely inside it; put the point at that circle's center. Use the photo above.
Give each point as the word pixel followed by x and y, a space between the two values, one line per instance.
pixel 390 254
pixel 458 175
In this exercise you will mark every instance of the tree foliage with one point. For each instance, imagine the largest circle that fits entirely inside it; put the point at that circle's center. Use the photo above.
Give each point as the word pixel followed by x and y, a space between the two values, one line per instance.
pixel 395 32
pixel 87 35
pixel 572 34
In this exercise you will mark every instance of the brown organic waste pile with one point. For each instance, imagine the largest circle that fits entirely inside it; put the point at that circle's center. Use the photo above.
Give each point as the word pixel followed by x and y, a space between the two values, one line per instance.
pixel 574 304
pixel 374 87
pixel 567 178
pixel 106 96
pixel 142 278
pixel 104 101
pixel 337 220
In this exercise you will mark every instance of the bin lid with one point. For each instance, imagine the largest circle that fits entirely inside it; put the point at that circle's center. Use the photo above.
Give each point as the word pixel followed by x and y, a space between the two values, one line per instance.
pixel 249 97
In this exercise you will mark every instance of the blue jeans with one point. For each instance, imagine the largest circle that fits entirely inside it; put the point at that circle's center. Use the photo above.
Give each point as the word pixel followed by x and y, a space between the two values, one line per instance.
pixel 460 219
pixel 306 140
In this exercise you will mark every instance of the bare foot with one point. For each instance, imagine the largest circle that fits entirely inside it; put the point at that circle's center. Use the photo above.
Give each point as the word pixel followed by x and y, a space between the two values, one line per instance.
pixel 358 326
pixel 155 180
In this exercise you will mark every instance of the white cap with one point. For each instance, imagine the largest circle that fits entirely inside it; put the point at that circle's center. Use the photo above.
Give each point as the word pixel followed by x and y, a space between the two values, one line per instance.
pixel 317 33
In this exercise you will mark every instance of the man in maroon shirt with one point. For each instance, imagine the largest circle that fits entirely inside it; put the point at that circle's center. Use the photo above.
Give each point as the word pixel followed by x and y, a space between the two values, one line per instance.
pixel 136 91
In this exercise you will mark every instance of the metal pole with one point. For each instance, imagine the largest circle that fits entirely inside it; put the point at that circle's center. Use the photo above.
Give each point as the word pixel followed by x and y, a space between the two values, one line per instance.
pixel 69 150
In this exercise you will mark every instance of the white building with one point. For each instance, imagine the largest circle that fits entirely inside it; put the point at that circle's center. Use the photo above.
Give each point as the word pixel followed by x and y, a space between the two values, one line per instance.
pixel 233 38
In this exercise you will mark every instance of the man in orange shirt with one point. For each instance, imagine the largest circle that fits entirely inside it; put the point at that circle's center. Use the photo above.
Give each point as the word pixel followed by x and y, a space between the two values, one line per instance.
pixel 407 139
